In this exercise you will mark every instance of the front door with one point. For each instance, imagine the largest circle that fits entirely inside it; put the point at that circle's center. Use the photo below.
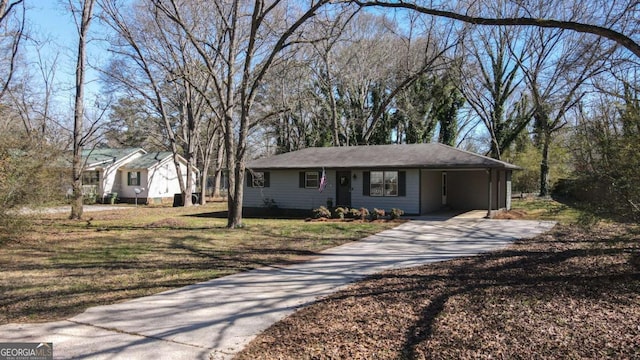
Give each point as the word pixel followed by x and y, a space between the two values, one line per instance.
pixel 343 189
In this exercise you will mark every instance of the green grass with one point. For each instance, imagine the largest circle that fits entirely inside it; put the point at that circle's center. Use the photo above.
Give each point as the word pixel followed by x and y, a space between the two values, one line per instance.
pixel 61 267
pixel 547 209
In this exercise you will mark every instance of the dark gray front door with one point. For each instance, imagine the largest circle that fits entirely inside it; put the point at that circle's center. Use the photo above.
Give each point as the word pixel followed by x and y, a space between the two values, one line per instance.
pixel 343 188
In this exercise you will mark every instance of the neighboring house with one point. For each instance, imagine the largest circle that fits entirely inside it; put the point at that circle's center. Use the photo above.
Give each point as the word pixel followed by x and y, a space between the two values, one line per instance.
pixel 123 171
pixel 417 178
pixel 101 175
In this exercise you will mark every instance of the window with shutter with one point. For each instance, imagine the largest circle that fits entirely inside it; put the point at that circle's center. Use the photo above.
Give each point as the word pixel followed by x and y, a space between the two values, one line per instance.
pixel 258 179
pixel 384 183
pixel 311 180
pixel 133 178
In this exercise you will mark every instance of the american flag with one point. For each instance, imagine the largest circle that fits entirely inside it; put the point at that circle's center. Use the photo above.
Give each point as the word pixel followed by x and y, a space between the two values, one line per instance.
pixel 323 181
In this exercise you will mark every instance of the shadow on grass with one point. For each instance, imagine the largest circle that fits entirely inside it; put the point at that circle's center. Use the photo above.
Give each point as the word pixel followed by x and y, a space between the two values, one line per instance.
pixel 91 277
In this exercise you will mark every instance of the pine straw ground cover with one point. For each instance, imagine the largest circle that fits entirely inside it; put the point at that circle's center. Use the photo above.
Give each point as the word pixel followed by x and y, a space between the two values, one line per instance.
pixel 571 293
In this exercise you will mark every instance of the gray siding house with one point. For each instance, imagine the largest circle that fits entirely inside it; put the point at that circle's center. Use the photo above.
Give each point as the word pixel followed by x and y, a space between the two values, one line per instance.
pixel 417 178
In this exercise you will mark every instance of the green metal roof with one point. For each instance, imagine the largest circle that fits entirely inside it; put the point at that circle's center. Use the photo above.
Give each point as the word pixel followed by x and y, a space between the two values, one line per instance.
pixel 147 161
pixel 96 157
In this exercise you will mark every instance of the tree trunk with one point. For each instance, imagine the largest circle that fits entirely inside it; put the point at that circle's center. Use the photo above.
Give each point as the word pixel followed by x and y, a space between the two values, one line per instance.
pixel 218 168
pixel 544 164
pixel 78 114
pixel 235 210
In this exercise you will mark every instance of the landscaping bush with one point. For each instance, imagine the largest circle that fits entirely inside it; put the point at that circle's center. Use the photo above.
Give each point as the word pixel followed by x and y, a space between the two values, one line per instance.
pixel 353 213
pixel 364 213
pixel 321 212
pixel 340 212
pixel 395 213
pixel 377 214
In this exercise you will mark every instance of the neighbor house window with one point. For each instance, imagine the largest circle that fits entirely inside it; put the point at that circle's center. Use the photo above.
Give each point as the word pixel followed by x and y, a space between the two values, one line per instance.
pixel 133 178
pixel 90 178
pixel 383 183
pixel 311 180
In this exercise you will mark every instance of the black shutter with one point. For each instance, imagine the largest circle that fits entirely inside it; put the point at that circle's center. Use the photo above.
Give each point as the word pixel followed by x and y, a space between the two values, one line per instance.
pixel 249 177
pixel 301 179
pixel 266 179
pixel 366 183
pixel 402 183
pixel 129 178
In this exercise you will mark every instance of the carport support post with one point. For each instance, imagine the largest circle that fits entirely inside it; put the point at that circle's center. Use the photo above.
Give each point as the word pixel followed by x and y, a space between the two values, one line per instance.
pixel 490 172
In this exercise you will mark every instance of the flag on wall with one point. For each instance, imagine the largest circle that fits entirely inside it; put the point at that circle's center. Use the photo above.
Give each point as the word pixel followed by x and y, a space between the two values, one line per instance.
pixel 323 181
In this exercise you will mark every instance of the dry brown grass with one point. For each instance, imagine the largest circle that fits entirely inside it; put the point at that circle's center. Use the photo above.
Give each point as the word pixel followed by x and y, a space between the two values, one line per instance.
pixel 572 293
pixel 61 267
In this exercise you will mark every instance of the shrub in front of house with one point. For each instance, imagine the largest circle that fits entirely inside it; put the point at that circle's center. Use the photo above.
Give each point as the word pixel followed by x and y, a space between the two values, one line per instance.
pixel 395 213
pixel 339 212
pixel 321 212
pixel 353 213
pixel 377 214
pixel 364 214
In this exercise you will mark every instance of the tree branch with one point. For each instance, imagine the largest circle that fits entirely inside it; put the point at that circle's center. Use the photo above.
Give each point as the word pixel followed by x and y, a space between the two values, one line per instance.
pixel 608 33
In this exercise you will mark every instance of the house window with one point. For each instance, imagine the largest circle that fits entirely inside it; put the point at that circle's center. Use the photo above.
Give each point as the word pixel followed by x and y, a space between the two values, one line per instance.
pixel 133 178
pixel 383 183
pixel 258 179
pixel 311 180
pixel 90 178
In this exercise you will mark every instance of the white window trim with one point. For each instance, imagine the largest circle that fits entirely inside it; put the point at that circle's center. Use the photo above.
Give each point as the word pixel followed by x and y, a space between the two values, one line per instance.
pixel 306 179
pixel 384 181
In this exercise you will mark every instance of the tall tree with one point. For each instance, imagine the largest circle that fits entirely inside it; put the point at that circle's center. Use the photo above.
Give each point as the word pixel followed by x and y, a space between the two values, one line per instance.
pixel 557 66
pixel 238 42
pixel 12 23
pixel 492 86
pixel 155 61
pixel 83 17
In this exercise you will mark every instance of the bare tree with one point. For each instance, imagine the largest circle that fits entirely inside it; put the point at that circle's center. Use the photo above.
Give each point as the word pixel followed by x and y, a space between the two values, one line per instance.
pixel 557 67
pixel 83 21
pixel 493 86
pixel 34 99
pixel 238 42
pixel 12 22
pixel 153 59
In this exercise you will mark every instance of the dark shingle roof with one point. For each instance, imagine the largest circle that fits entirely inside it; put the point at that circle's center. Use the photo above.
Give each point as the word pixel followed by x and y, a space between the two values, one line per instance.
pixel 426 156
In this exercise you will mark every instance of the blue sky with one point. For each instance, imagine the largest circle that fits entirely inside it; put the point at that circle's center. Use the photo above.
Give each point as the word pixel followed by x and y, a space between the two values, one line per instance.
pixel 51 24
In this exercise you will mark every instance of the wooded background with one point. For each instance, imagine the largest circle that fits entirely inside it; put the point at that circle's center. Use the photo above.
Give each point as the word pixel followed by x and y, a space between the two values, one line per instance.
pixel 549 85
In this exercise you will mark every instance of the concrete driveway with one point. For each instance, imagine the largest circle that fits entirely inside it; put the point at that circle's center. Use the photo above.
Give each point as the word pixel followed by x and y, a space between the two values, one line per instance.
pixel 215 319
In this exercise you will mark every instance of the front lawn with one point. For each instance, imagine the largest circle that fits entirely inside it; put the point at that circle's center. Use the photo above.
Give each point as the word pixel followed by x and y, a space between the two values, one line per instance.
pixel 573 293
pixel 61 267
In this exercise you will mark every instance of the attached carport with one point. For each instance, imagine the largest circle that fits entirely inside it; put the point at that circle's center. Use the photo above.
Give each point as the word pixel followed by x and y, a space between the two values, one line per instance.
pixel 465 189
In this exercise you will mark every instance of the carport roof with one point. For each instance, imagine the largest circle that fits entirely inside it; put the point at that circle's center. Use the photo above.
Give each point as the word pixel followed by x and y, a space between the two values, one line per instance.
pixel 423 156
